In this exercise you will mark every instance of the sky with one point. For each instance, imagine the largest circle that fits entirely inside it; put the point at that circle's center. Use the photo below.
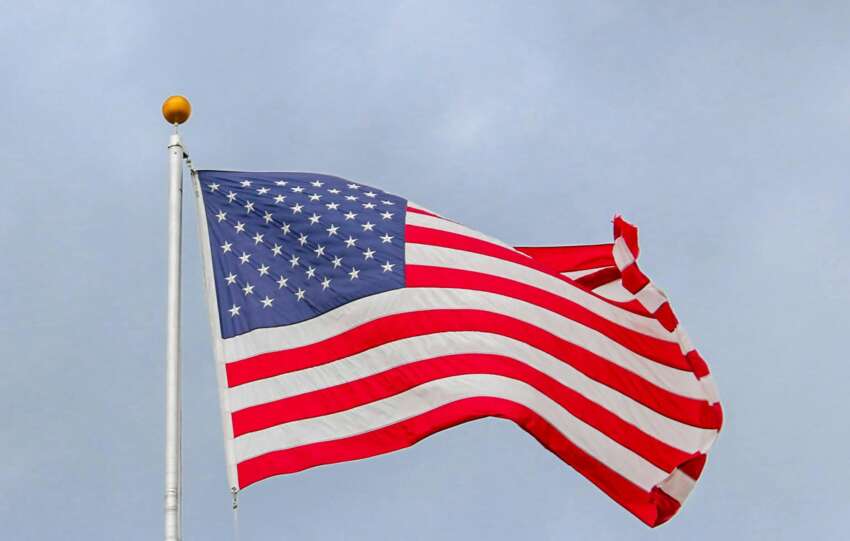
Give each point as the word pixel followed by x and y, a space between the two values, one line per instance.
pixel 722 129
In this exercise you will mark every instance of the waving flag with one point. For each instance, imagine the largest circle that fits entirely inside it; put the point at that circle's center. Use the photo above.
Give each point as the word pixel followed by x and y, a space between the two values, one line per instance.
pixel 349 322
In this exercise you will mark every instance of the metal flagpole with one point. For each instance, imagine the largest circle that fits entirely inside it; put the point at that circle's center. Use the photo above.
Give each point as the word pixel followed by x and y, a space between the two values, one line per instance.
pixel 176 110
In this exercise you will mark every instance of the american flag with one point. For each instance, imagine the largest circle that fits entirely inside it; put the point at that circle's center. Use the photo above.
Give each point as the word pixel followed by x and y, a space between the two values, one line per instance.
pixel 349 322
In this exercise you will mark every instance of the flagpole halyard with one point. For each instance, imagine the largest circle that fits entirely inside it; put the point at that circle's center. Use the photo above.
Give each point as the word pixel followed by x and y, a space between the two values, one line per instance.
pixel 176 110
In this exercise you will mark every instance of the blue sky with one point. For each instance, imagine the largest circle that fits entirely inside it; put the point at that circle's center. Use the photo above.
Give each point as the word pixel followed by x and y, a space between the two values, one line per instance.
pixel 722 131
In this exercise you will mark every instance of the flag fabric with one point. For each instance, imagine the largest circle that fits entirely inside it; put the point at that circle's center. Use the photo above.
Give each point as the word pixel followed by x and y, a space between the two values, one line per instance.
pixel 349 322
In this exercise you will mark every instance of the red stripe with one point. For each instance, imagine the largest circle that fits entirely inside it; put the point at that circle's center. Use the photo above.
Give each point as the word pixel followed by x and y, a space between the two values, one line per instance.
pixel 396 327
pixel 572 258
pixel 652 507
pixel 402 378
pixel 661 351
pixel 693 467
pixel 633 279
pixel 634 306
pixel 436 237
pixel 666 317
pixel 423 211
pixel 698 365
pixel 665 506
pixel 599 278
pixel 629 233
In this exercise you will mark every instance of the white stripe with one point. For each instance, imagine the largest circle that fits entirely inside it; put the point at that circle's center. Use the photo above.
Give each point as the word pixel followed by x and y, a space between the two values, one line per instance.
pixel 434 394
pixel 415 299
pixel 616 292
pixel 709 389
pixel 409 350
pixel 623 257
pixel 678 485
pixel 417 206
pixel 684 340
pixel 423 220
pixel 437 256
pixel 650 297
pixel 574 275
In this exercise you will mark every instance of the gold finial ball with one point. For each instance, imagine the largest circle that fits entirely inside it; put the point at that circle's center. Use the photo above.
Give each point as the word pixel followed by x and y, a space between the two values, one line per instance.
pixel 176 109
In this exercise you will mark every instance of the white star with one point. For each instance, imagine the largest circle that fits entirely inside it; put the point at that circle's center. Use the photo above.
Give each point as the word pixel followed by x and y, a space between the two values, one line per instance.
pixel 354 273
pixel 370 193
pixel 314 219
pixel 310 272
pixel 332 206
pixel 248 289
pixel 386 215
pixel 367 226
pixel 245 183
pixel 351 197
pixel 388 267
pixel 282 282
pixel 387 202
pixel 369 253
pixel 267 302
pixel 314 197
pixel 234 311
pixel 276 249
pixel 296 208
pixel 351 241
pixel 239 226
pixel 386 238
pixel 280 183
pixel 297 189
pixel 244 258
pixel 231 196
pixel 226 247
pixel 263 190
pixel 350 215
pixel 300 293
pixel 263 270
pixel 333 191
pixel 213 186
pixel 267 217
pixel 221 216
pixel 231 279
pixel 302 240
pixel 320 250
pixel 337 261
pixel 353 186
pixel 278 199
pixel 332 230
pixel 317 183
pixel 369 205
pixel 249 206
pixel 285 228
pixel 326 283
pixel 258 238
pixel 293 261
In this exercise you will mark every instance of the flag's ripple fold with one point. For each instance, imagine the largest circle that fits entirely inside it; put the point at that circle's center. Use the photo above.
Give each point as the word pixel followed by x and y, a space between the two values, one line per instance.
pixel 349 322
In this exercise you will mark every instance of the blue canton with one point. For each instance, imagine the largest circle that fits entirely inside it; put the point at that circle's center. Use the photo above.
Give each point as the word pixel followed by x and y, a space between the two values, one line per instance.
pixel 287 247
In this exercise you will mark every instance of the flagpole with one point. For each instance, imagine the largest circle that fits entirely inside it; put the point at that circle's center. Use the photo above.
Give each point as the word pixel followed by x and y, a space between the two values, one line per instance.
pixel 176 110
